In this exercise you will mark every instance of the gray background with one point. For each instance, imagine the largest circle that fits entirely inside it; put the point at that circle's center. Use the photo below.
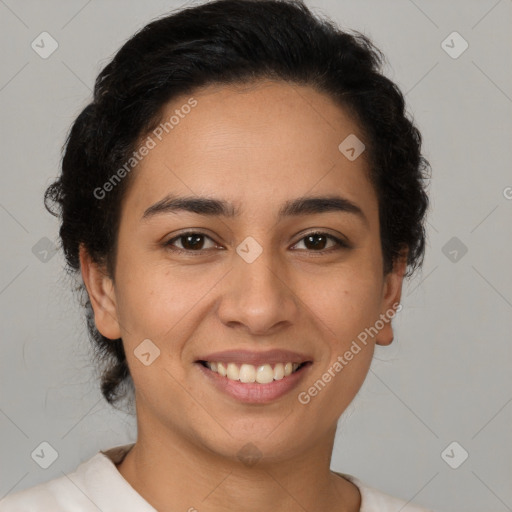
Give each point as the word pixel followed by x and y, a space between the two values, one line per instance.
pixel 445 378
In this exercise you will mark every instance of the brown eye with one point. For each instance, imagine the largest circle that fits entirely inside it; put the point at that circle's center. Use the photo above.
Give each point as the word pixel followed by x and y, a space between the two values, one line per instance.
pixel 317 242
pixel 190 242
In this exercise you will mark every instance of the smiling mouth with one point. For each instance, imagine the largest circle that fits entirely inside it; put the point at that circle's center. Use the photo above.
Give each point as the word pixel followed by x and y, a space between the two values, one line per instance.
pixel 248 373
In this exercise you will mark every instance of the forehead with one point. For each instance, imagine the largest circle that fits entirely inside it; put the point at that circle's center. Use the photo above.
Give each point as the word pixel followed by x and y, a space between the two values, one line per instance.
pixel 261 143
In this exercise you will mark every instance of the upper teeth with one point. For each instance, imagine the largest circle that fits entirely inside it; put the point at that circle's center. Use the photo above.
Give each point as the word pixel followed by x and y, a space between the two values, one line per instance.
pixel 249 373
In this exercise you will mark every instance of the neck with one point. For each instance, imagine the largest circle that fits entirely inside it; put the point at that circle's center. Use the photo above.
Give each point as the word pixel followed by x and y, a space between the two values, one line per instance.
pixel 173 472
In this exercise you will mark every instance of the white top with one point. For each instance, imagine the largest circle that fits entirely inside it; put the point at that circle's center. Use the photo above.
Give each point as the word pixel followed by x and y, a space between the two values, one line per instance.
pixel 97 484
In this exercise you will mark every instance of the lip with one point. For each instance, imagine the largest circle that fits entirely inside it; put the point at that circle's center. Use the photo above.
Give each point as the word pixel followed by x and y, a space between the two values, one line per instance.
pixel 273 356
pixel 255 393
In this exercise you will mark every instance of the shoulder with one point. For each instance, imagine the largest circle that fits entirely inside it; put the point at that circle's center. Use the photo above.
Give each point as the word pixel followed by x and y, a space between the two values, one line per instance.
pixel 94 483
pixel 373 500
pixel 58 495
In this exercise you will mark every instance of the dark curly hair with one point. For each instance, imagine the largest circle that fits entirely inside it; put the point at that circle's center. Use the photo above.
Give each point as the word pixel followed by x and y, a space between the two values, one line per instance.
pixel 230 42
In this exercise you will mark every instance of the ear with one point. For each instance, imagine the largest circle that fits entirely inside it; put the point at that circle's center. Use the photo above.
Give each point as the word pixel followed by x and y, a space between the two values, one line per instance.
pixel 101 294
pixel 391 294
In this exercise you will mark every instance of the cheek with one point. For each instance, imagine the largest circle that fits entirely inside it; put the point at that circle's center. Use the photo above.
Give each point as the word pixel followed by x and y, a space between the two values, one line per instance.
pixel 157 298
pixel 347 307
pixel 347 302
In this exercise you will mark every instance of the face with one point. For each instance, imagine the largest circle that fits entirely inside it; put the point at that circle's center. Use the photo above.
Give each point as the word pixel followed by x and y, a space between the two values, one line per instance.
pixel 254 272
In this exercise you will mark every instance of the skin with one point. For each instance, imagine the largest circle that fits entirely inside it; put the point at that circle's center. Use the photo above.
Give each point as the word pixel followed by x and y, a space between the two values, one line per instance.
pixel 255 147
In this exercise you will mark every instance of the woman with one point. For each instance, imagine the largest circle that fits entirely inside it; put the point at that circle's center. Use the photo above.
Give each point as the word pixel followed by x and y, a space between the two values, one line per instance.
pixel 242 199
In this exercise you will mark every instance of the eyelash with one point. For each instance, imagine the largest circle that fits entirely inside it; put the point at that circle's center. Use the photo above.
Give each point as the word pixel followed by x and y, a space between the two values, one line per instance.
pixel 341 244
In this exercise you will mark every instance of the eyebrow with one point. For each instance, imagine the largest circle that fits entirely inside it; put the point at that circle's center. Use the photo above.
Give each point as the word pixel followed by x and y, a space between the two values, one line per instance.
pixel 305 205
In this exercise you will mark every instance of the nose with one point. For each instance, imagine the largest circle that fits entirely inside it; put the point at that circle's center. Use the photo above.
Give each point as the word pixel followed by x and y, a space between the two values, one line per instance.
pixel 259 296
